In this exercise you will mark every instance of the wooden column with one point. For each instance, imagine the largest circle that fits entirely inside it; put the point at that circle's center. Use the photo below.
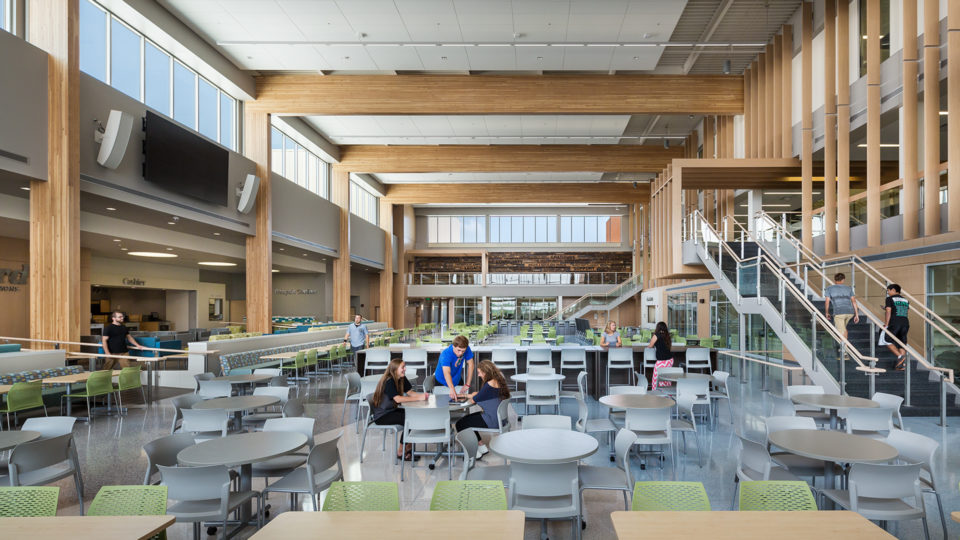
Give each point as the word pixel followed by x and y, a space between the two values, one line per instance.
pixel 709 137
pixel 910 196
pixel 747 111
pixel 786 102
pixel 386 275
pixel 873 123
pixel 769 107
pixel 806 132
pixel 340 196
pixel 843 127
pixel 776 108
pixel 953 115
pixel 762 122
pixel 403 227
pixel 931 120
pixel 259 247
pixel 55 309
pixel 829 128
pixel 755 135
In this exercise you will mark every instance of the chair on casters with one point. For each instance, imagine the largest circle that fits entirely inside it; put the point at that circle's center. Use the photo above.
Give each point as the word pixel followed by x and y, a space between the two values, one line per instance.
pixel 610 478
pixel 322 468
pixel 620 358
pixel 362 497
pixel 573 359
pixel 468 495
pixel 653 427
pixel 203 494
pixel 29 501
pixel 670 497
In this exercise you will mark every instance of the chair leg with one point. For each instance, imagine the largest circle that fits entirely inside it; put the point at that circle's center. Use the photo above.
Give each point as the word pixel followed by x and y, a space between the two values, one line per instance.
pixel 736 491
pixel 79 485
pixel 943 518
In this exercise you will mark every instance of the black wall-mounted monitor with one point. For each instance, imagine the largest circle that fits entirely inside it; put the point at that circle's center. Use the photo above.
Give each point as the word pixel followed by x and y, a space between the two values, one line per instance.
pixel 582 325
pixel 184 162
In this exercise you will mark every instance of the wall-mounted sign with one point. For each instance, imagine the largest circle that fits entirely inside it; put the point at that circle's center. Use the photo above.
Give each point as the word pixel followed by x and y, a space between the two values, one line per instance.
pixel 13 278
pixel 289 292
pixel 133 281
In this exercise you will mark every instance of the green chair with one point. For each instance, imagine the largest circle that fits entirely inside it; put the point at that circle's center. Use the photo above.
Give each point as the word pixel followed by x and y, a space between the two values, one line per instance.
pixel 538 338
pixel 130 501
pixel 340 355
pixel 552 332
pixel 99 384
pixel 29 501
pixel 469 495
pixel 310 361
pixel 23 396
pixel 778 496
pixel 516 339
pixel 129 380
pixel 362 496
pixel 299 362
pixel 670 496
pixel 325 358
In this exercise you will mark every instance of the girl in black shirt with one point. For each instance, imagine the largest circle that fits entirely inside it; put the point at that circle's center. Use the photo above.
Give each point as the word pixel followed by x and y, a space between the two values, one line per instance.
pixel 661 342
pixel 392 389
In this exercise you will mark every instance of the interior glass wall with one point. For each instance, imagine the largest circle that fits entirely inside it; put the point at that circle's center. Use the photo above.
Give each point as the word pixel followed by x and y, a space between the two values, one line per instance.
pixel 724 320
pixel 943 297
pixel 682 313
pixel 468 310
pixel 524 309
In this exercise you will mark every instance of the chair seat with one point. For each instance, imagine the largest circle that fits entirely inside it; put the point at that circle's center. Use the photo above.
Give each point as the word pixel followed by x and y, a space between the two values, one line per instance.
pixel 592 477
pixel 878 509
pixel 876 435
pixel 278 465
pixel 599 425
pixel 776 474
pixel 562 506
pixel 653 437
pixel 570 394
pixel 40 477
pixel 800 465
pixel 259 418
pixel 209 509
pixel 492 472
pixel 427 436
pixel 298 482
pixel 820 416
pixel 355 397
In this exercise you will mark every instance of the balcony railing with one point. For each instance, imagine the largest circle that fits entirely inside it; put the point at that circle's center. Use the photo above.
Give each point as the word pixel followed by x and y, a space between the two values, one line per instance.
pixel 534 278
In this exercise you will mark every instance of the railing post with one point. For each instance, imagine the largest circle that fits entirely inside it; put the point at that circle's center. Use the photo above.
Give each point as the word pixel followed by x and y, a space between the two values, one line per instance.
pixel 943 400
pixel 813 341
pixel 739 267
pixel 906 378
pixel 783 305
pixel 873 341
pixel 872 383
pixel 758 282
pixel 843 369
pixel 806 277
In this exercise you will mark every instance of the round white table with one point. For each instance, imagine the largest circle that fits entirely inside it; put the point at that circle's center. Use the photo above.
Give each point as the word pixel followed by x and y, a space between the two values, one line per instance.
pixel 246 378
pixel 244 450
pixel 832 402
pixel 637 401
pixel 10 439
pixel 524 377
pixel 544 446
pixel 237 404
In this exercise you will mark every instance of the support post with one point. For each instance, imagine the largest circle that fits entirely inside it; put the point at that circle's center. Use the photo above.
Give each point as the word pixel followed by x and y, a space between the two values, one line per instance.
pixel 843 127
pixel 931 119
pixel 873 123
pixel 806 132
pixel 910 196
pixel 340 195
pixel 829 129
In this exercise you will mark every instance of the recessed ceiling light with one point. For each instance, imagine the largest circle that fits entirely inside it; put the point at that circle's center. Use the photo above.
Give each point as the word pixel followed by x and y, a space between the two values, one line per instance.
pixel 882 145
pixel 111 209
pixel 281 249
pixel 274 270
pixel 169 249
pixel 171 223
pixel 216 263
pixel 116 240
pixel 216 234
pixel 25 188
pixel 123 249
pixel 153 254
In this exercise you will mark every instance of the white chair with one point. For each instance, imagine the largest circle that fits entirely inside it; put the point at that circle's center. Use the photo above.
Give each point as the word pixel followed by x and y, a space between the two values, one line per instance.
pixel 215 389
pixel 205 424
pixel 203 494
pixel 376 361
pixel 616 414
pixel 503 419
pixel 542 370
pixel 505 358
pixel 686 422
pixel 698 358
pixel 719 391
pixel 609 478
pixel 754 463
pixel 573 359
pixel 805 410
pixel 581 391
pixel 700 388
pixel 539 356
pixel 597 425
pixel 255 420
pixel 874 423
pixel 163 451
pixel 352 393
pixel 546 492
pixel 620 359
pixel 282 465
pixel 49 426
pixel 428 425
pixel 416 360
pixel 179 403
pixel 668 371
pixel 322 468
pixel 44 461
pixel 368 424
pixel 878 492
pixel 641 379
pixel 781 407
pixel 892 402
pixel 916 448
pixel 545 421
pixel 653 428
pixel 200 377
pixel 798 465
pixel 542 392
pixel 649 358
pixel 367 388
pixel 468 442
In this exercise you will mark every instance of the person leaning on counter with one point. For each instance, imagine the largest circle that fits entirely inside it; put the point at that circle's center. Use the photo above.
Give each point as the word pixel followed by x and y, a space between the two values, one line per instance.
pixel 450 366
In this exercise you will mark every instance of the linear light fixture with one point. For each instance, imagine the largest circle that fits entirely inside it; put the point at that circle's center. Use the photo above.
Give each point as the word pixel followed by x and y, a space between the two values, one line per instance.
pixel 882 145
pixel 153 254
pixel 492 44
pixel 216 263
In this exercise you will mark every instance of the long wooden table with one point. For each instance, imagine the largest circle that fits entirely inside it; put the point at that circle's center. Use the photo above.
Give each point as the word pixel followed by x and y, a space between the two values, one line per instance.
pixel 746 525
pixel 422 525
pixel 84 527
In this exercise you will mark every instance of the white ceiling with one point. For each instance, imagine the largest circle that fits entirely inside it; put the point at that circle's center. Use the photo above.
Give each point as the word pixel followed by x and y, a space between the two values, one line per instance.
pixel 341 35
pixel 473 178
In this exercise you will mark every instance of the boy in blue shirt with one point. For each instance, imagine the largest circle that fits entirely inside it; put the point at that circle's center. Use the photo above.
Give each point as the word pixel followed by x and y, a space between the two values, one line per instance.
pixel 450 366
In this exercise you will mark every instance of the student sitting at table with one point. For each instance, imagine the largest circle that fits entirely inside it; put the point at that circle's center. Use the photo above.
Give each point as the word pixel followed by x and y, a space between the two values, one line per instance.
pixel 392 389
pixel 610 337
pixel 450 366
pixel 661 341
pixel 492 392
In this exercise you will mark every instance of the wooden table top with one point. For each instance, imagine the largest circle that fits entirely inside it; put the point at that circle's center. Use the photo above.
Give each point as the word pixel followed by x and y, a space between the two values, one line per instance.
pixel 11 438
pixel 4 388
pixel 746 525
pixel 74 377
pixel 834 401
pixel 427 525
pixel 84 527
pixel 955 516
pixel 637 401
pixel 834 446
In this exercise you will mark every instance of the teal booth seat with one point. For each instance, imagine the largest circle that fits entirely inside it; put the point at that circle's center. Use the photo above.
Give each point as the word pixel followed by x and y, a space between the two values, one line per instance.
pixel 9 347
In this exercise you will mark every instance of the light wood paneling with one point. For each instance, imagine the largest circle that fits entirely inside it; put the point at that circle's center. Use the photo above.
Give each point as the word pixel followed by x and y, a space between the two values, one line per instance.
pixel 565 192
pixel 953 118
pixel 259 247
pixel 786 103
pixel 308 94
pixel 55 307
pixel 910 196
pixel 931 120
pixel 507 158
pixel 769 134
pixel 829 127
pixel 748 112
pixel 775 103
pixel 843 127
pixel 403 228
pixel 340 196
pixel 761 123
pixel 386 275
pixel 874 79
pixel 806 132
pixel 709 137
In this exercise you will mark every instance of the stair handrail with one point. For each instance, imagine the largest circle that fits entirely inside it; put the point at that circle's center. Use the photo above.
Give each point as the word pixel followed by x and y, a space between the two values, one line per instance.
pixel 638 277
pixel 817 266
pixel 925 313
pixel 762 258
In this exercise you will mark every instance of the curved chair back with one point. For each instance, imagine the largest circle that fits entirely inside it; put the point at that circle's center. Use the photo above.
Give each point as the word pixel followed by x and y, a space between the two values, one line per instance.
pixel 622 445
pixel 654 420
pixel 294 424
pixel 505 358
pixel 698 358
pixel 873 420
pixel 539 356
pixel 100 383
pixel 195 483
pixel 914 448
pixel 545 421
pixel 753 462
pixel 185 401
pixel 325 455
pixel 468 495
pixel 34 455
pixel 573 358
pixel 276 372
pixel 468 442
pixel 670 497
pixel 649 358
pixel 215 389
pixel 353 383
pixel 884 481
pixel 280 392
pixel 24 395
pixel 620 358
pixel 201 377
pixel 780 423
pixel 892 402
pixel 293 408
pixel 622 389
pixel 415 358
pixel 50 426
pixel 376 360
pixel 163 451
pixel 129 378
pixel 362 496
pixel 205 420
pixel 29 501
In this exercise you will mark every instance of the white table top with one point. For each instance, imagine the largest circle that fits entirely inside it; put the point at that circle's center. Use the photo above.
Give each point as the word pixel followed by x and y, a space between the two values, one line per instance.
pixel 10 439
pixel 835 446
pixel 833 401
pixel 241 449
pixel 246 378
pixel 743 525
pixel 544 446
pixel 637 401
pixel 524 377
pixel 435 402
pixel 237 403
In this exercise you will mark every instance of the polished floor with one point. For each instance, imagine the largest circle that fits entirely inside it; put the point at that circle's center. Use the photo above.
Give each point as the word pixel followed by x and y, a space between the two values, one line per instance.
pixel 110 452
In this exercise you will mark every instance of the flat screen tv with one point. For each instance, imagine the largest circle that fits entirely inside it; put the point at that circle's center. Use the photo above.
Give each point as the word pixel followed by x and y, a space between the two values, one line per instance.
pixel 184 162
pixel 582 325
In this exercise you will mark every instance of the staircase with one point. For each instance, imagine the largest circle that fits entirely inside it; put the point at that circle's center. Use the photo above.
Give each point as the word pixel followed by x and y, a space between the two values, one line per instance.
pixel 602 301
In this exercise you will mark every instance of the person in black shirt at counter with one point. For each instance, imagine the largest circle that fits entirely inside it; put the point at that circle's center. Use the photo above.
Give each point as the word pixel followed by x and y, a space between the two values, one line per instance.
pixel 392 389
pixel 115 338
pixel 661 342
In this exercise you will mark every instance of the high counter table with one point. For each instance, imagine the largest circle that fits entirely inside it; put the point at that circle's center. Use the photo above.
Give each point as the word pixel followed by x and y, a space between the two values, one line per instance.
pixel 427 525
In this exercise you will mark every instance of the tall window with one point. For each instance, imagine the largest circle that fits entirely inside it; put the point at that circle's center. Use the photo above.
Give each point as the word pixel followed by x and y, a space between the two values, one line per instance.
pixel 590 229
pixel 141 69
pixel 682 313
pixel 296 163
pixel 3 15
pixel 523 229
pixel 724 320
pixel 456 229
pixel 943 297
pixel 468 310
pixel 363 203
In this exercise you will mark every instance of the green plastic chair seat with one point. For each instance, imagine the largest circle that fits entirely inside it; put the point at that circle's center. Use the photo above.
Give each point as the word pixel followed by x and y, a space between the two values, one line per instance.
pixel 100 383
pixel 23 396
pixel 776 496
pixel 29 501
pixel 469 495
pixel 670 497
pixel 362 497
pixel 131 501
pixel 129 379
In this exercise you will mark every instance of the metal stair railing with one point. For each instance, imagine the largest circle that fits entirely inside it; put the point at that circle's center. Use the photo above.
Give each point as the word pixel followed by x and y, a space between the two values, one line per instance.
pixel 600 299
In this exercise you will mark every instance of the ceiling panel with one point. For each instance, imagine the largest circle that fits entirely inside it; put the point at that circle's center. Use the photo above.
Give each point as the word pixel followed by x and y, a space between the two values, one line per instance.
pixel 395 58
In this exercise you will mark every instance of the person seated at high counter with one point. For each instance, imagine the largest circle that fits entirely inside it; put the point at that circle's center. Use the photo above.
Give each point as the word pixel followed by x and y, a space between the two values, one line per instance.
pixel 450 366
pixel 492 392
pixel 394 388
pixel 661 342
pixel 610 337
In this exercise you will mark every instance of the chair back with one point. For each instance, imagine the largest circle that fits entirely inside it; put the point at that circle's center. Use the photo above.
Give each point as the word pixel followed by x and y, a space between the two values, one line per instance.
pixel 913 448
pixel 163 451
pixel 353 383
pixel 293 408
pixel 539 356
pixel 505 358
pixel 649 420
pixel 325 455
pixel 38 454
pixel 753 462
pixel 541 370
pixel 782 407
pixel 685 404
pixel 362 496
pixel 545 421
pixel 553 481
pixel 649 357
pixel 205 420
pixel 573 358
pixel 196 483
pixel 185 401
pixel 100 382
pixel 215 389
pixel 582 383
pixel 129 378
pixel 469 445
pixel 669 370
pixel 294 424
pixel 583 414
pixel 620 389
pixel 25 395
pixel 670 497
pixel 700 388
pixel 543 391
pixel 377 360
pixel 720 380
pixel 129 501
pixel 29 501
pixel 622 445
pixel 877 419
pixel 49 426
pixel 698 358
pixel 620 357
pixel 780 423
pixel 776 496
pixel 433 423
pixel 280 392
pixel 884 481
pixel 468 495
pixel 415 358
pixel 201 377
pixel 888 401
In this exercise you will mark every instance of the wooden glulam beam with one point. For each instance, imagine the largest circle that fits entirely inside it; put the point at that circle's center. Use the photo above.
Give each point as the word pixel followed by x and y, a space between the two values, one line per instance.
pixel 528 192
pixel 507 158
pixel 309 94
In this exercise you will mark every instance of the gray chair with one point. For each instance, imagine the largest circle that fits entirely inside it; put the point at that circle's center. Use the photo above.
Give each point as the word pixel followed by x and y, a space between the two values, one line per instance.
pixel 620 359
pixel 468 442
pixel 874 423
pixel 428 426
pixel 698 358
pixel 255 420
pixel 539 356
pixel 546 492
pixel 754 463
pixel 686 422
pixel 545 421
pixel 352 394
pixel 653 428
pixel 368 424
pixel 41 462
pixel 573 359
pixel 49 426
pixel 609 478
pixel 282 465
pixel 185 401
pixel 163 451
pixel 293 408
pixel 376 361
pixel 503 419
pixel 892 402
pixel 649 358
pixel 916 448
pixel 199 377
pixel 581 392
pixel 205 424
pixel 203 495
pixel 214 389
pixel 415 359
pixel 719 391
pixel 798 465
pixel 541 392
pixel 879 492
pixel 315 476
pixel 598 425
pixel 817 414
pixel 505 358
